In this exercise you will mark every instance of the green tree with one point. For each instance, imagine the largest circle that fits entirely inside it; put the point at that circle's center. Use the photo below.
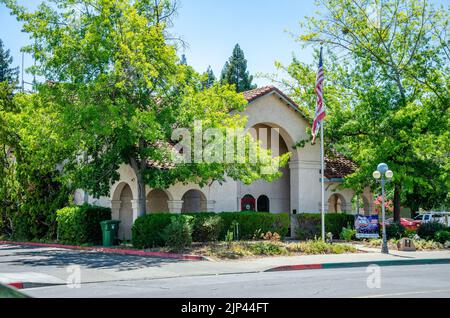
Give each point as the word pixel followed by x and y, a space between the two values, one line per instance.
pixel 209 79
pixel 387 81
pixel 116 90
pixel 7 73
pixel 235 71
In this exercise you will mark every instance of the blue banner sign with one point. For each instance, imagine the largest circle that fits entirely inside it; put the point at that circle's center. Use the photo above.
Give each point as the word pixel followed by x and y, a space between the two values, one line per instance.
pixel 366 226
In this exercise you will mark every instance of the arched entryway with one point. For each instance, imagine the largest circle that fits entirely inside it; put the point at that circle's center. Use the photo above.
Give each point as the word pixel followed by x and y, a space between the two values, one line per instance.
pixel 157 201
pixel 248 203
pixel 336 203
pixel 277 192
pixel 193 201
pixel 125 213
pixel 263 204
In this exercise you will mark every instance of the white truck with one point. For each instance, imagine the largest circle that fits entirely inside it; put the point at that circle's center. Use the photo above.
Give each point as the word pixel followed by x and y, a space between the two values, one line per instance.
pixel 441 217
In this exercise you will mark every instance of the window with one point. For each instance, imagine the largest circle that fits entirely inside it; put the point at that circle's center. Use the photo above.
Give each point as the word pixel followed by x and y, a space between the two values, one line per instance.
pixel 263 204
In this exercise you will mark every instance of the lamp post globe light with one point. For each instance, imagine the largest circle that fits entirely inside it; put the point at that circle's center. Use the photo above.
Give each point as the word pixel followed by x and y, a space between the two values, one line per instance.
pixel 383 175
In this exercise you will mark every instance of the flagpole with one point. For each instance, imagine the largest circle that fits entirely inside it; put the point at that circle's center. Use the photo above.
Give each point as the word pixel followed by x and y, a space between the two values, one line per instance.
pixel 322 161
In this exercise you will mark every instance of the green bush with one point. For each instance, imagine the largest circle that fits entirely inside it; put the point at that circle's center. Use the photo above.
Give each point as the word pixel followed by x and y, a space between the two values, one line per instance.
pixel 347 234
pixel 267 248
pixel 428 230
pixel 442 237
pixel 178 234
pixel 81 224
pixel 309 224
pixel 250 222
pixel 395 231
pixel 206 227
pixel 147 229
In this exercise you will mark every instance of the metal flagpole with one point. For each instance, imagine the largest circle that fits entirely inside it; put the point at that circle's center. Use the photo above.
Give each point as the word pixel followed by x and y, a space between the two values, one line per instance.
pixel 323 178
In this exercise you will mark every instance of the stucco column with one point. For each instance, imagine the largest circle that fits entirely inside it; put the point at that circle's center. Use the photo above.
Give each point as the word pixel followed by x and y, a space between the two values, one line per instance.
pixel 210 206
pixel 305 186
pixel 115 209
pixel 135 206
pixel 175 206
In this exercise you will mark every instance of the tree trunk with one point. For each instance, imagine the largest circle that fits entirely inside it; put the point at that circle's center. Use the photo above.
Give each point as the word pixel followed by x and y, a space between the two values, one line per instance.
pixel 397 203
pixel 142 198
pixel 141 195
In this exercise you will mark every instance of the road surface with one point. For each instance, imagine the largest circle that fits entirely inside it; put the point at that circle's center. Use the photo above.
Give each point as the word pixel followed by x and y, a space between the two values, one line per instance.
pixel 395 281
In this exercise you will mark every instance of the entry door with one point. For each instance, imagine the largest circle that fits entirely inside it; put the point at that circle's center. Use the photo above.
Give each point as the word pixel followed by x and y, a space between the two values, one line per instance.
pixel 126 214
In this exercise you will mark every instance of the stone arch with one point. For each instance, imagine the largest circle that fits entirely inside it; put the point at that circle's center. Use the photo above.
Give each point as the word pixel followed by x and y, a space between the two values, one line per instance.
pixel 337 203
pixel 263 203
pixel 158 201
pixel 366 205
pixel 278 192
pixel 122 209
pixel 194 201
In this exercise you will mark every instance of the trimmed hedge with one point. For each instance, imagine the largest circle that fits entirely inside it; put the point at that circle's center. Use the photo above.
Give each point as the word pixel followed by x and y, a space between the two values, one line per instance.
pixel 251 222
pixel 147 230
pixel 81 224
pixel 309 224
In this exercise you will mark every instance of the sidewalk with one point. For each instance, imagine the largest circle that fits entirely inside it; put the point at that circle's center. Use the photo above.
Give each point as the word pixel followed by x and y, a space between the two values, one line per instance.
pixel 50 264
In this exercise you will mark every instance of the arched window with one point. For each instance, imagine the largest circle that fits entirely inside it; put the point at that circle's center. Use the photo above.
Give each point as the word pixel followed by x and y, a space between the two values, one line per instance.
pixel 248 203
pixel 263 204
pixel 193 201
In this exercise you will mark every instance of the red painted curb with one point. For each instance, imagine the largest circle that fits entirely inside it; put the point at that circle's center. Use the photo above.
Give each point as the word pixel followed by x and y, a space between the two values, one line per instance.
pixel 295 267
pixel 112 250
pixel 16 285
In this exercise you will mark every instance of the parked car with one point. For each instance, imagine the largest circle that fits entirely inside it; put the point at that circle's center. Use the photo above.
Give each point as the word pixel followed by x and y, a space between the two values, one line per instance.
pixel 407 223
pixel 433 217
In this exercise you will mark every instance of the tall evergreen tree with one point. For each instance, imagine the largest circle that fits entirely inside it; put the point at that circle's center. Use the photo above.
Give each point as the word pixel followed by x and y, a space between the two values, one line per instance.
pixel 209 78
pixel 235 71
pixel 7 73
pixel 183 60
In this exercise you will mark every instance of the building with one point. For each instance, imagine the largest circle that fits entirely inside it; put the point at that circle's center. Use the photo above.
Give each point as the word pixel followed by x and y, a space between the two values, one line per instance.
pixel 297 191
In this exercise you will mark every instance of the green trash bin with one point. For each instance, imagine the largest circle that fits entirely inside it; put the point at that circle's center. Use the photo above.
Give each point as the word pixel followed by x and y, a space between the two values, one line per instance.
pixel 110 229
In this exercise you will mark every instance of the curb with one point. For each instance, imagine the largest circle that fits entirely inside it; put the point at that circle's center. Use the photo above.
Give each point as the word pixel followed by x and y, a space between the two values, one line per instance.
pixel 25 285
pixel 108 250
pixel 359 264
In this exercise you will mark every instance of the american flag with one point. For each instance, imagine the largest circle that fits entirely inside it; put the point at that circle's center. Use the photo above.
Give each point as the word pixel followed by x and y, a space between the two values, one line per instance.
pixel 320 110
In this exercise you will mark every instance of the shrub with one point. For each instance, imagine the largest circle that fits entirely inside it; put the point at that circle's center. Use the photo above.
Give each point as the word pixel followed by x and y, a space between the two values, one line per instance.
pixel 320 247
pixel 178 234
pixel 428 230
pixel 395 231
pixel 206 227
pixel 267 248
pixel 442 237
pixel 309 224
pixel 347 234
pixel 81 224
pixel 269 236
pixel 410 233
pixel 250 222
pixel 147 229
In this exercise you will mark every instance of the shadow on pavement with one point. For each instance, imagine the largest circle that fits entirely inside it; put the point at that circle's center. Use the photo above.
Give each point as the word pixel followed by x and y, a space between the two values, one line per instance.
pixel 37 256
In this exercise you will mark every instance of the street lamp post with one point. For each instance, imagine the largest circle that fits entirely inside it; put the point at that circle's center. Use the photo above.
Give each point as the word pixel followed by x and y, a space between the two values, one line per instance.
pixel 383 174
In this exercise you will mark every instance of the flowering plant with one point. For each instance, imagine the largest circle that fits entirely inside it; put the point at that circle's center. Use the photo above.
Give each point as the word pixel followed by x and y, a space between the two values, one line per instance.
pixel 388 205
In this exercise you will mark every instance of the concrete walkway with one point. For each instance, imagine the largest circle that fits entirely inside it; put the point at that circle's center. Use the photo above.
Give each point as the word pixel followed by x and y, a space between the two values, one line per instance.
pixel 56 266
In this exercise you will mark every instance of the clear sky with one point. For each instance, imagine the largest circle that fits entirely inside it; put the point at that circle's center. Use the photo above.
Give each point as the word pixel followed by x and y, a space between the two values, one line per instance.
pixel 212 28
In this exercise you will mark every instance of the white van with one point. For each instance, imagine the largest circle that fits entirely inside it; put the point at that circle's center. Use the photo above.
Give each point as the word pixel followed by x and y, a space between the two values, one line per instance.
pixel 441 217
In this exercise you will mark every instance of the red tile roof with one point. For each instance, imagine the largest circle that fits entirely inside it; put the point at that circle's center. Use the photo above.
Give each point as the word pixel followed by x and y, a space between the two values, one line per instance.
pixel 337 166
pixel 253 94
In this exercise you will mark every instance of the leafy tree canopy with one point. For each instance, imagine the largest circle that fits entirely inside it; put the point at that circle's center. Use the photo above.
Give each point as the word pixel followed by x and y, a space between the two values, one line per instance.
pixel 116 90
pixel 387 82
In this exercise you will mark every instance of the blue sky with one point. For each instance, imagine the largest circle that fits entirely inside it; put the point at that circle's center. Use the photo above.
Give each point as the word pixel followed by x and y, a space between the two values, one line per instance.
pixel 212 28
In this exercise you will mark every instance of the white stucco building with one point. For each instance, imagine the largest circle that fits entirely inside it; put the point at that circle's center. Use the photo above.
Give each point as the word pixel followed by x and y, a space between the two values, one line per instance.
pixel 297 191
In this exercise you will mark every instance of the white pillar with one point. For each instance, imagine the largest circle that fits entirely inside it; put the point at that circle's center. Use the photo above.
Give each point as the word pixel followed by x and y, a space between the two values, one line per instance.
pixel 175 206
pixel 135 206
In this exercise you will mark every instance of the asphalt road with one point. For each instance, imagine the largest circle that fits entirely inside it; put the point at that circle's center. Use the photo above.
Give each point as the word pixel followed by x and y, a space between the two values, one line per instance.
pixel 395 281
